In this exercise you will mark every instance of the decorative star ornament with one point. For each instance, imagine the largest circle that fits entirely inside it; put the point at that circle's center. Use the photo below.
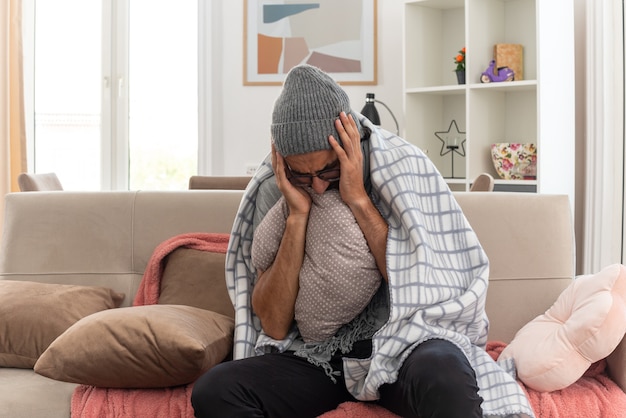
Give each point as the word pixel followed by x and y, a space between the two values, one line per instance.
pixel 451 140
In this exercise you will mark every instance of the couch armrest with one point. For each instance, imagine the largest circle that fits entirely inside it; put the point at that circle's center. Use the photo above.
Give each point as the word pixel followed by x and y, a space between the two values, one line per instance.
pixel 617 364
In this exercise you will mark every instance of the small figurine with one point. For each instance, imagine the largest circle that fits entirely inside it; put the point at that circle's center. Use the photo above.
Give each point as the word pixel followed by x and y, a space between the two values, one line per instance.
pixel 503 74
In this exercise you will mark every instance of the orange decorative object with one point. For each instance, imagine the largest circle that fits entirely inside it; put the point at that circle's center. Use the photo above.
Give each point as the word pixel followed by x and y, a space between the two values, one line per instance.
pixel 267 63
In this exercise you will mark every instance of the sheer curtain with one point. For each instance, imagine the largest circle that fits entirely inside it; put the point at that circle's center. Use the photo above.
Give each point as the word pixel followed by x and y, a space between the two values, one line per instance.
pixel 12 133
pixel 604 143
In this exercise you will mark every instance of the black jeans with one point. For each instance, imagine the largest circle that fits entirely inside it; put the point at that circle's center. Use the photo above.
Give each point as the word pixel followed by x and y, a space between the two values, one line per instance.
pixel 436 380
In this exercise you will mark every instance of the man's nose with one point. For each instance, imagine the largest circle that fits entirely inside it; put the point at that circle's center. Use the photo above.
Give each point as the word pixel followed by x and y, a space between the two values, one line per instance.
pixel 319 186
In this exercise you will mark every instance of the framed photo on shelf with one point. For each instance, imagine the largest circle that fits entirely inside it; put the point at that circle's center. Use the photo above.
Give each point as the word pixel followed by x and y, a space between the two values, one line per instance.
pixel 337 36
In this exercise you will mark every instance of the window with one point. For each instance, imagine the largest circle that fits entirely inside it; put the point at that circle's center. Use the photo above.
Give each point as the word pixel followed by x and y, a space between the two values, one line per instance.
pixel 114 92
pixel 67 92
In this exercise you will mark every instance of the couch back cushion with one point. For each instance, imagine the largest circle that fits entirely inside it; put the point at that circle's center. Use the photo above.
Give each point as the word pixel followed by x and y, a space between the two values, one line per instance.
pixel 529 239
pixel 102 238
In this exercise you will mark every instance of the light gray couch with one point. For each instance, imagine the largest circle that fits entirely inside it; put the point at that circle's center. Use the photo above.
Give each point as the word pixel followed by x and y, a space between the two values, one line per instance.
pixel 107 238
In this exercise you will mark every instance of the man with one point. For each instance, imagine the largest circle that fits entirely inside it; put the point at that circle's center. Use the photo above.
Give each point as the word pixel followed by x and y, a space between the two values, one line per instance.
pixel 417 349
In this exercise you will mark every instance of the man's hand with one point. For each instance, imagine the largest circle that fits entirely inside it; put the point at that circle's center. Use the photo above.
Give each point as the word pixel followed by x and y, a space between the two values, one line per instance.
pixel 351 184
pixel 298 200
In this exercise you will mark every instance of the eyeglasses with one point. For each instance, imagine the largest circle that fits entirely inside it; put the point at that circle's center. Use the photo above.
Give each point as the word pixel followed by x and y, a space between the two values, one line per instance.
pixel 302 180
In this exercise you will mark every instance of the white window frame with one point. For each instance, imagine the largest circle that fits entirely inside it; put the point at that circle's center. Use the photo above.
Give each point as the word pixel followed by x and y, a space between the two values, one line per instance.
pixel 114 140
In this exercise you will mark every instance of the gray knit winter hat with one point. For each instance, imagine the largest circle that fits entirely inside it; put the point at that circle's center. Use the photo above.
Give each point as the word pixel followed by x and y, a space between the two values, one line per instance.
pixel 305 111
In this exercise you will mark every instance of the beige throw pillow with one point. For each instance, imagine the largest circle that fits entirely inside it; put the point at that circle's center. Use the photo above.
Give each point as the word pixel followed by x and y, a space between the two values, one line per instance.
pixel 139 347
pixel 196 278
pixel 33 314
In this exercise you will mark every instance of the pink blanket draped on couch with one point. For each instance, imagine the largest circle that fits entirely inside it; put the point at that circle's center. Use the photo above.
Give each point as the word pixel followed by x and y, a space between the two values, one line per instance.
pixel 593 395
pixel 96 402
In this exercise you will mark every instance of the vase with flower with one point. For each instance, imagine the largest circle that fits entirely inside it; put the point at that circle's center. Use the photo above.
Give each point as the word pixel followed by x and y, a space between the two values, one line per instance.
pixel 459 60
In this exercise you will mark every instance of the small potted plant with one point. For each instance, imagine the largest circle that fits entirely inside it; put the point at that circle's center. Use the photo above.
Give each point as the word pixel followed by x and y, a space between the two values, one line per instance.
pixel 459 60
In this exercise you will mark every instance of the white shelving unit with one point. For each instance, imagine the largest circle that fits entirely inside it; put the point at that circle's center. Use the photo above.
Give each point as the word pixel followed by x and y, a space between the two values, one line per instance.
pixel 537 109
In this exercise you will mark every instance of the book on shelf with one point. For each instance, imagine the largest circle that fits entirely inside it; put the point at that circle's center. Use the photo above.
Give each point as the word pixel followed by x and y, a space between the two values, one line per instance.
pixel 512 56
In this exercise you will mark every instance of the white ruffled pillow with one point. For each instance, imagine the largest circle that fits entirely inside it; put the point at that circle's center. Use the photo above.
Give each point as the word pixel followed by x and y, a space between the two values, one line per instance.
pixel 584 325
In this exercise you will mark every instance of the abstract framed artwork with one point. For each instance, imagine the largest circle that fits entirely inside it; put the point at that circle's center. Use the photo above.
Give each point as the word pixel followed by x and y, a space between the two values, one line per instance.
pixel 337 36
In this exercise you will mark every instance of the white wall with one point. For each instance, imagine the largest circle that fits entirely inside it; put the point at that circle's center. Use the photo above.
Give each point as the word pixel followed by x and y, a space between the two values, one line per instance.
pixel 242 114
